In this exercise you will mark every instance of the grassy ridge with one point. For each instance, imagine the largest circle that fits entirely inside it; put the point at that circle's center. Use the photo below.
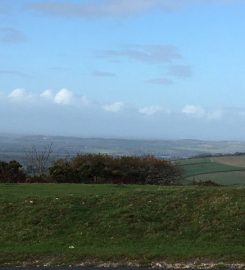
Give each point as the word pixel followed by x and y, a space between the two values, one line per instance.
pixel 75 223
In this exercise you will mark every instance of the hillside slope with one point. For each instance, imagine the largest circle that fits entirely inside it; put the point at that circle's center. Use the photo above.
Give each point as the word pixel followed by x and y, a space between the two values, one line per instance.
pixel 69 224
pixel 225 170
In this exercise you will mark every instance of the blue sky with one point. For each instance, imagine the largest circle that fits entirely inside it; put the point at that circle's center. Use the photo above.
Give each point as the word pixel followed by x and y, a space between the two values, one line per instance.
pixel 166 69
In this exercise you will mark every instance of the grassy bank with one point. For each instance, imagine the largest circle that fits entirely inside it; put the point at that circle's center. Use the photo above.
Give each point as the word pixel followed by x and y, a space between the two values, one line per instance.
pixel 86 223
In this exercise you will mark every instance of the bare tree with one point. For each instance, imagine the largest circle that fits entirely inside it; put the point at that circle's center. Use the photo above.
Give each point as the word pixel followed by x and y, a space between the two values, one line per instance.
pixel 38 160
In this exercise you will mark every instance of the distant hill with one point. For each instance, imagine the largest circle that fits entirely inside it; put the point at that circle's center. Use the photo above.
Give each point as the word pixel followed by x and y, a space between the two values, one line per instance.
pixel 16 146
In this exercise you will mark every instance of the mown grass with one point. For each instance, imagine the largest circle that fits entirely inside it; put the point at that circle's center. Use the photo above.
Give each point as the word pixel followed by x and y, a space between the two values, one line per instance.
pixel 71 224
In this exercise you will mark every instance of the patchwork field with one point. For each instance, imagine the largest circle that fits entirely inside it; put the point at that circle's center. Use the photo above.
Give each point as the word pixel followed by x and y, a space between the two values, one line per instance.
pixel 231 160
pixel 225 170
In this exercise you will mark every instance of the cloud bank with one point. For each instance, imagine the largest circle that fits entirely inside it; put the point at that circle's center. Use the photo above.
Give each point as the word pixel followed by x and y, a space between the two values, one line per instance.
pixel 102 8
pixel 63 112
pixel 115 8
pixel 67 98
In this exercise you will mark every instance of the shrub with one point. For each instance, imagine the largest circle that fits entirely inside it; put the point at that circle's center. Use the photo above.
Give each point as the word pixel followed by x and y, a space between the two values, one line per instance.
pixel 11 172
pixel 39 179
pixel 205 183
pixel 62 172
pixel 97 168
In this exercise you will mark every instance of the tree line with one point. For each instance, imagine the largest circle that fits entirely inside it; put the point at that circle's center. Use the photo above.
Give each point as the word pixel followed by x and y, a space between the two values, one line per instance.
pixel 96 168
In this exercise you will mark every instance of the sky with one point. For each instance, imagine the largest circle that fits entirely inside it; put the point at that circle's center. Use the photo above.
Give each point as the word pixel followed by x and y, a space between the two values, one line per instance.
pixel 156 69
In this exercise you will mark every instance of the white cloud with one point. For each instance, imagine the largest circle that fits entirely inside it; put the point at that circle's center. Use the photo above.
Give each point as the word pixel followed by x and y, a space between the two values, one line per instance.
pixel 67 97
pixel 114 107
pixel 215 115
pixel 64 97
pixel 193 110
pixel 60 97
pixel 19 94
pixel 151 110
pixel 199 112
pixel 48 94
pixel 84 100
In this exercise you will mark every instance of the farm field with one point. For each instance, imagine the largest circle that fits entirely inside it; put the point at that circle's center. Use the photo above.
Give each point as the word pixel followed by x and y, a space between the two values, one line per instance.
pixel 225 170
pixel 222 178
pixel 231 160
pixel 70 224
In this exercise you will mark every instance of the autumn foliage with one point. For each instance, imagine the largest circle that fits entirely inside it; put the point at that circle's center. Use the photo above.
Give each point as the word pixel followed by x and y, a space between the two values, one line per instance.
pixel 97 168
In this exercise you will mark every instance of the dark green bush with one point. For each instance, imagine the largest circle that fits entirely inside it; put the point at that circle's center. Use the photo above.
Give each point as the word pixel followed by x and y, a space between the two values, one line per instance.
pixel 11 172
pixel 97 168
pixel 205 183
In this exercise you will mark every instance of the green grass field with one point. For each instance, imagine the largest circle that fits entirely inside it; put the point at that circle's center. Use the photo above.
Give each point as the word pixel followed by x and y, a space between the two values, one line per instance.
pixel 70 224
pixel 227 170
